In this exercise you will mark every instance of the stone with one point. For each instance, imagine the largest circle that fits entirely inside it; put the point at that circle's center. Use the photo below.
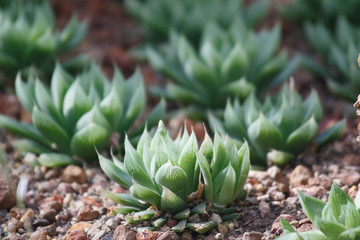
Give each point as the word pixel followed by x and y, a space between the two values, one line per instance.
pixel 273 171
pixel 168 235
pixel 299 176
pixel 64 188
pixel 40 222
pixel 27 223
pixel 275 195
pixel 50 204
pixel 216 217
pixel 80 226
pixel 306 227
pixel 51 230
pixel 46 186
pixel 108 236
pixel 186 236
pixel 29 213
pixel 52 173
pixel 99 234
pixel 39 235
pixel 252 236
pixel 14 236
pixel 111 223
pixel 123 233
pixel 147 235
pixel 7 199
pixel 75 235
pixel 87 213
pixel 223 229
pixel 194 218
pixel 48 214
pixel 73 173
pixel 14 225
pixel 264 208
pixel 171 223
pixel 219 236
pixel 349 160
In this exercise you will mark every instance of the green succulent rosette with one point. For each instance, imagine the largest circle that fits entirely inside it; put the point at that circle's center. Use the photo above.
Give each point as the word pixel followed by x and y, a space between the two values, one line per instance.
pixel 279 128
pixel 78 114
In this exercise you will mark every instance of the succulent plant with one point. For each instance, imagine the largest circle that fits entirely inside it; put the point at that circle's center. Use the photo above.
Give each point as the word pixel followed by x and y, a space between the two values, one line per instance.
pixel 165 174
pixel 74 116
pixel 337 219
pixel 284 125
pixel 188 17
pixel 340 51
pixel 230 63
pixel 28 37
pixel 326 11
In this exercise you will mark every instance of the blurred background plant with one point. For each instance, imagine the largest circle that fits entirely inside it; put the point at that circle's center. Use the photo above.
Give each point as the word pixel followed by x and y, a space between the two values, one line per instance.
pixel 339 50
pixel 187 17
pixel 76 115
pixel 337 219
pixel 326 11
pixel 165 174
pixel 230 63
pixel 29 40
pixel 279 128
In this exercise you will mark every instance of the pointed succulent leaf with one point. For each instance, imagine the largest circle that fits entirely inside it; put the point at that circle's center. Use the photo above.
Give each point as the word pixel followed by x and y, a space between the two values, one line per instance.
pixel 279 158
pixel 228 187
pixel 352 233
pixel 25 93
pixel 352 216
pixel 184 214
pixel 115 173
pixel 244 158
pixel 232 121
pixel 51 130
pixel 112 109
pixel 201 227
pixel 235 63
pixel 205 172
pixel 331 133
pixel 173 178
pixel 55 160
pixel 313 107
pixel 187 162
pixel 145 194
pixel 28 145
pixel 159 222
pixel 312 207
pixel 264 134
pixel 124 199
pixel 171 202
pixel 286 226
pixel 331 230
pixel 338 198
pixel 88 138
pixel 60 83
pixel 302 136
pixel 180 227
pixel 199 209
pixel 206 148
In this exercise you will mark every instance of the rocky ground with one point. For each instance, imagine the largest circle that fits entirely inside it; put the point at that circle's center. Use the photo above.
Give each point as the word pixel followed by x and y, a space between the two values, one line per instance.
pixel 69 203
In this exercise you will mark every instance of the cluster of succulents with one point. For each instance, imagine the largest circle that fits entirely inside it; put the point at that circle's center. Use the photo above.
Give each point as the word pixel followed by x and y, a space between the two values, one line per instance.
pixel 229 63
pixel 326 11
pixel 28 37
pixel 76 115
pixel 160 17
pixel 169 175
pixel 284 125
pixel 340 50
pixel 337 219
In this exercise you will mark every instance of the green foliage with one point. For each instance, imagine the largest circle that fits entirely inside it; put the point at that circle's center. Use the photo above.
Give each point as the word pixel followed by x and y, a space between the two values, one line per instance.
pixel 229 63
pixel 284 125
pixel 76 115
pixel 338 219
pixel 165 173
pixel 340 50
pixel 326 11
pixel 188 17
pixel 28 37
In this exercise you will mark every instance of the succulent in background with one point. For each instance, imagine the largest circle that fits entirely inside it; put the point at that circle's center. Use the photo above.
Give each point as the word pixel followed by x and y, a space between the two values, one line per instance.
pixel 189 17
pixel 340 51
pixel 165 173
pixel 28 37
pixel 229 63
pixel 326 11
pixel 281 127
pixel 337 219
pixel 74 116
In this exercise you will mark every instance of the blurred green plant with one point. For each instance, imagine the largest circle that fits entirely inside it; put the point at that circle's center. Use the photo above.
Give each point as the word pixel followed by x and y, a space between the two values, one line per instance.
pixel 74 116
pixel 188 17
pixel 326 11
pixel 278 129
pixel 28 38
pixel 230 63
pixel 340 51
pixel 165 173
pixel 338 219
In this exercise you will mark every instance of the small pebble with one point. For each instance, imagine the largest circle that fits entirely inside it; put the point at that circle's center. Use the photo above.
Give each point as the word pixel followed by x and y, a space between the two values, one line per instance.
pixel 219 236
